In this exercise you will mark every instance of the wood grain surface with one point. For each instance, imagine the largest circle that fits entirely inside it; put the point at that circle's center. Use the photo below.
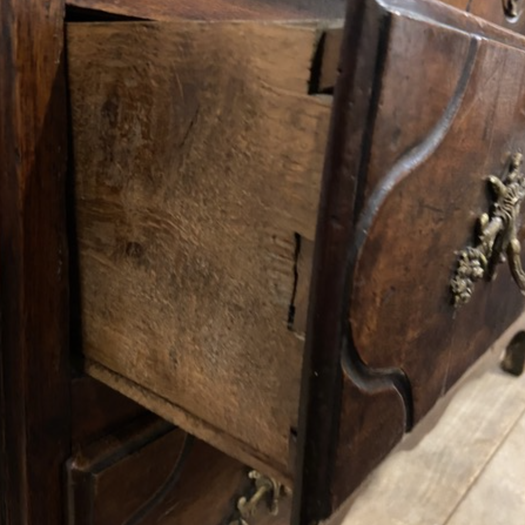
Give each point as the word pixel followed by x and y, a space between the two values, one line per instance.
pixel 427 105
pixel 494 12
pixel 97 410
pixel 190 281
pixel 417 211
pixel 198 156
pixel 217 9
pixel 110 479
pixel 123 456
pixel 34 379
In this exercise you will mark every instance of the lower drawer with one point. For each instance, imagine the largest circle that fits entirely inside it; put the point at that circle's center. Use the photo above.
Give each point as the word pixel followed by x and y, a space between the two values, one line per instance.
pixel 148 473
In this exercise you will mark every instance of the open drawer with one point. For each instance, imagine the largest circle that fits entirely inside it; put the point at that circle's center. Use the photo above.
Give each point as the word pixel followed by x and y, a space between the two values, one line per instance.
pixel 212 282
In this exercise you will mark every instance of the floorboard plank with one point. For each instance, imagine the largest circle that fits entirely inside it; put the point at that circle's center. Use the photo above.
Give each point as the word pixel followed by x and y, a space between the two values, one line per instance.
pixel 498 495
pixel 430 475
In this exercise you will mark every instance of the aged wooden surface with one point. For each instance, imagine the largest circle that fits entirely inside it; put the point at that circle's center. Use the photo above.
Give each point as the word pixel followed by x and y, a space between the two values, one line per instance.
pixel 34 388
pixel 330 49
pixel 195 172
pixel 124 455
pixel 218 9
pixel 194 290
pixel 465 465
pixel 417 211
pixel 97 410
pixel 111 478
pixel 495 12
pixel 108 479
pixel 419 141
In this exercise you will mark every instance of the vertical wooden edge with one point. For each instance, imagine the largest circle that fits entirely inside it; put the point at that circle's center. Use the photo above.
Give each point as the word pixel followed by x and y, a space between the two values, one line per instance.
pixel 34 377
pixel 79 498
pixel 327 336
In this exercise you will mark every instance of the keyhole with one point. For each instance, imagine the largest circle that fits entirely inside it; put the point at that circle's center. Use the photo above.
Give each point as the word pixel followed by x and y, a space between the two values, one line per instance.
pixel 511 9
pixel 514 358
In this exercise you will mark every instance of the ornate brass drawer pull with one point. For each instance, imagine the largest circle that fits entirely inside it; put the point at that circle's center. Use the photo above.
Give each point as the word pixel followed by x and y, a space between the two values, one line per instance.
pixel 497 238
pixel 267 490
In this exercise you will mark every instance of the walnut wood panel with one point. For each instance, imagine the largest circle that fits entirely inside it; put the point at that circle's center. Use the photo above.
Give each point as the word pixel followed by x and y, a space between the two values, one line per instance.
pixel 217 9
pixel 429 102
pixel 123 456
pixel 110 479
pixel 198 158
pixel 34 387
pixel 427 215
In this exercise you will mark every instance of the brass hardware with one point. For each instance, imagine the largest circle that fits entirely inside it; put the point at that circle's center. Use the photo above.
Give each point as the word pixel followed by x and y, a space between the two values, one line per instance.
pixel 266 489
pixel 511 8
pixel 497 239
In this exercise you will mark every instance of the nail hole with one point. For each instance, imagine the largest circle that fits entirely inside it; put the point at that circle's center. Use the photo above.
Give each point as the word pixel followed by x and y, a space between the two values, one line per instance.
pixel 514 357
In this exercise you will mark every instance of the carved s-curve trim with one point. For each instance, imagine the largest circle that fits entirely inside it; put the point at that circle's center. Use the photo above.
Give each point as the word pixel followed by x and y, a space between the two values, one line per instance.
pixel 366 377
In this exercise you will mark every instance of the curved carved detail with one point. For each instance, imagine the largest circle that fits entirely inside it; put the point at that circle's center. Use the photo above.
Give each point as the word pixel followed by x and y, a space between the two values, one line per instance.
pixel 371 378
pixel 389 188
pixel 379 380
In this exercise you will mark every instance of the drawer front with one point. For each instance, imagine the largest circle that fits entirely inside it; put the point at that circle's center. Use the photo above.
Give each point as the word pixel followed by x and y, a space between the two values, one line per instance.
pixel 198 160
pixel 145 473
pixel 429 104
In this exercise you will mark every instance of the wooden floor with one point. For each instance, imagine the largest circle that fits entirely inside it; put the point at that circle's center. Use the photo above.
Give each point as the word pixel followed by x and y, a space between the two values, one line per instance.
pixel 464 466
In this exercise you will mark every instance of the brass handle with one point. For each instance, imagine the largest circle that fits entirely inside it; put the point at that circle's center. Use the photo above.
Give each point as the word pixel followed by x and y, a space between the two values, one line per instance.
pixel 266 488
pixel 497 236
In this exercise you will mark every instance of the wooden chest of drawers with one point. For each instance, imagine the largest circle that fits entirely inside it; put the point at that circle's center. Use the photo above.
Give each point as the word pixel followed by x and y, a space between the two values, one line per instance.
pixel 294 235
pixel 199 151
